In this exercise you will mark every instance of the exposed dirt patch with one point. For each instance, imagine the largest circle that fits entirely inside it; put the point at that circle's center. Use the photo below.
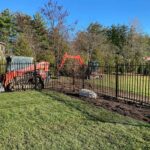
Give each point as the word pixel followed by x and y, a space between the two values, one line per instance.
pixel 132 110
pixel 126 108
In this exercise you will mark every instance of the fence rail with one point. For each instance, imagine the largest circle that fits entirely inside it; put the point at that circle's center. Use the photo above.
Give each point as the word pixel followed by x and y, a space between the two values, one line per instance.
pixel 128 82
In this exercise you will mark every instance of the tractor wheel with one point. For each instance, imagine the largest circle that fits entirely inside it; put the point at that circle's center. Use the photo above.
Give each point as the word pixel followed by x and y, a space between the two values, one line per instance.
pixel 10 87
pixel 40 84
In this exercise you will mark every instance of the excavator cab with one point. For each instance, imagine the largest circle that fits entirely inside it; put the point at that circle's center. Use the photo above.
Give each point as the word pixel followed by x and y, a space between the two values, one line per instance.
pixel 94 66
pixel 93 70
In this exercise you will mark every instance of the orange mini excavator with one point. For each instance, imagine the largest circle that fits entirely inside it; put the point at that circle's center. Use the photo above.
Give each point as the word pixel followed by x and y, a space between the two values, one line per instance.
pixel 66 57
pixel 91 69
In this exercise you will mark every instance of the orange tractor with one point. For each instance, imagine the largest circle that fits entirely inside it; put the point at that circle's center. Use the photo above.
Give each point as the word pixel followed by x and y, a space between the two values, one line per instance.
pixel 21 72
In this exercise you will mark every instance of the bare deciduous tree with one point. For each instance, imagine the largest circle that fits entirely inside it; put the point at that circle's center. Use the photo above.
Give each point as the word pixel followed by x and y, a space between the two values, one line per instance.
pixel 56 16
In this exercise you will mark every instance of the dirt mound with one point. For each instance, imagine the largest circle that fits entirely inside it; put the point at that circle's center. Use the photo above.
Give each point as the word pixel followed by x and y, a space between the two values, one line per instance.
pixel 135 111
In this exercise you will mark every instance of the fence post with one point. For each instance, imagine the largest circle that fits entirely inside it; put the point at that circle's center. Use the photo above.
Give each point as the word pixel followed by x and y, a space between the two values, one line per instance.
pixel 35 76
pixel 73 80
pixel 117 81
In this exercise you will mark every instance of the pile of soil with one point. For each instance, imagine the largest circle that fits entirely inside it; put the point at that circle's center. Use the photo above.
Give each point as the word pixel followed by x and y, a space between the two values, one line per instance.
pixel 133 110
pixel 126 108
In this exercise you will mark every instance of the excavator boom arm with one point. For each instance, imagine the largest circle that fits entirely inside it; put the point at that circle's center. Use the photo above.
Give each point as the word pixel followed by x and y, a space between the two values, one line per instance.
pixel 66 56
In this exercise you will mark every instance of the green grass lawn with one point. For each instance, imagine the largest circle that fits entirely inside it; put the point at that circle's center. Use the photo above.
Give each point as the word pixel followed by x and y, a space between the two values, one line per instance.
pixel 34 120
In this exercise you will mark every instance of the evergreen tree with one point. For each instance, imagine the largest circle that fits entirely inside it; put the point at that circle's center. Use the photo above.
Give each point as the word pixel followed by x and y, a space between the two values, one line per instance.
pixel 23 47
pixel 43 44
pixel 7 28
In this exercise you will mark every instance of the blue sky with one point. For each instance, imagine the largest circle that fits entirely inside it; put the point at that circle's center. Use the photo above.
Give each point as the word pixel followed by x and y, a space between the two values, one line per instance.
pixel 106 12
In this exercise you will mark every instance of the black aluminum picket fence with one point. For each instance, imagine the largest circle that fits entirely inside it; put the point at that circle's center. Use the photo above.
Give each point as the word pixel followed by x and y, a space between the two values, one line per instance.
pixel 127 82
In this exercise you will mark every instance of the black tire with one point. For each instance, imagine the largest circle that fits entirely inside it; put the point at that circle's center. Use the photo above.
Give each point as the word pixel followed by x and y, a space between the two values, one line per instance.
pixel 39 84
pixel 10 87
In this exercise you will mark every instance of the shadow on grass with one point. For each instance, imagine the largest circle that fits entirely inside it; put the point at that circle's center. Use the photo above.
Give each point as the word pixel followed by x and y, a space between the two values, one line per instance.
pixel 91 116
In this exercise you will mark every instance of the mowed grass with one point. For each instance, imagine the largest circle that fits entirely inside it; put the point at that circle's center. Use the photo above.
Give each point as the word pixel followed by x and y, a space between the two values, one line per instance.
pixel 49 120
pixel 139 85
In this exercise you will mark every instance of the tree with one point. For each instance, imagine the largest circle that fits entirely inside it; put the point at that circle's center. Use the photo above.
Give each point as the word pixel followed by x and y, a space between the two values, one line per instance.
pixel 26 35
pixel 23 47
pixel 7 28
pixel 93 44
pixel 118 36
pixel 56 16
pixel 2 60
pixel 133 53
pixel 41 36
pixel 41 32
pixel 128 44
pixel 97 41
